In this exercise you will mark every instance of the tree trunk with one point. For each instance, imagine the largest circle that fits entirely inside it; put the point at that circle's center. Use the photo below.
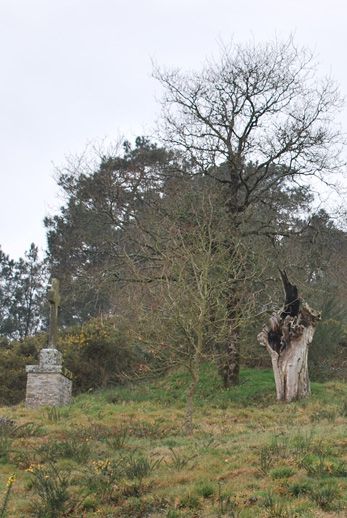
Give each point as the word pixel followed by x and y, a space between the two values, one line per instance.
pixel 195 373
pixel 230 364
pixel 229 359
pixel 287 338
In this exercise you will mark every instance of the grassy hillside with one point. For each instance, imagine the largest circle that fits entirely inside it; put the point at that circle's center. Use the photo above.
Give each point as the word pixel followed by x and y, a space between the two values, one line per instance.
pixel 122 453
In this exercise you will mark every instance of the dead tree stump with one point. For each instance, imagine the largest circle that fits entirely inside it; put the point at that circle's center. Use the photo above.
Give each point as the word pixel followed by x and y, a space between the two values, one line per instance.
pixel 287 338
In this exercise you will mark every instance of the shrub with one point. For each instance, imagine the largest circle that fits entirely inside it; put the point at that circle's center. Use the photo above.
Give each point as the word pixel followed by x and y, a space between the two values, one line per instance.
pixel 118 440
pixel 226 503
pixel 190 502
pixel 278 448
pixel 99 354
pixel 51 486
pixel 326 342
pixel 205 489
pixel 181 460
pixel 300 488
pixel 13 359
pixel 6 498
pixel 7 427
pixel 139 467
pixel 89 503
pixel 101 477
pixel 325 494
pixel 275 508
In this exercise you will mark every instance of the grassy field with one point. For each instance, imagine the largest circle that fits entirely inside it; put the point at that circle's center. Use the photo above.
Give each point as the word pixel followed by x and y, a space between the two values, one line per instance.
pixel 122 453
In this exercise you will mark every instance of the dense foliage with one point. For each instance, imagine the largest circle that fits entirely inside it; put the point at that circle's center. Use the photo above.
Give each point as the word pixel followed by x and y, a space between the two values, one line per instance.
pixel 22 285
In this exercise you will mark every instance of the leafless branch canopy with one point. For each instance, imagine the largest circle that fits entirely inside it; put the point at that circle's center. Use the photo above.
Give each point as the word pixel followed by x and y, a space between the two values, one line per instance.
pixel 255 110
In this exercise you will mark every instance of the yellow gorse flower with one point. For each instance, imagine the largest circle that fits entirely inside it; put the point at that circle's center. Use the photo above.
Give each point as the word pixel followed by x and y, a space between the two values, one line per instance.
pixel 11 479
pixel 33 467
pixel 101 465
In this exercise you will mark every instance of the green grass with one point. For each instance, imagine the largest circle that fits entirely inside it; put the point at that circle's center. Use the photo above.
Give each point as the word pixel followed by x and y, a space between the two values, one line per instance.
pixel 122 452
pixel 171 390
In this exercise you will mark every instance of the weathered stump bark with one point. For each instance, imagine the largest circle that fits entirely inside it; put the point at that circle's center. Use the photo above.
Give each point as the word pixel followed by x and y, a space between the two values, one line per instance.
pixel 287 338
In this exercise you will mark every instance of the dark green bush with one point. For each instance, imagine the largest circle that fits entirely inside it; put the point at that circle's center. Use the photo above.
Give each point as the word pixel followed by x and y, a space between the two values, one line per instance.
pixel 14 356
pixel 99 354
pixel 327 355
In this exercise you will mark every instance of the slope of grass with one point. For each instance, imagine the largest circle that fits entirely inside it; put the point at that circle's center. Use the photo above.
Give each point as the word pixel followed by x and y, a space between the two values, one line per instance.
pixel 122 453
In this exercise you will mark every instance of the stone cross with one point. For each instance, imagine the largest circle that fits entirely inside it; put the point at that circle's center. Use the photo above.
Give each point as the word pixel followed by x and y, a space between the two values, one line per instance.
pixel 49 383
pixel 54 302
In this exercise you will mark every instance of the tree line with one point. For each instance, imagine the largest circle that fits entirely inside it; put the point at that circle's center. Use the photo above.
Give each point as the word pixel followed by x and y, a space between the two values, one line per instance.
pixel 181 237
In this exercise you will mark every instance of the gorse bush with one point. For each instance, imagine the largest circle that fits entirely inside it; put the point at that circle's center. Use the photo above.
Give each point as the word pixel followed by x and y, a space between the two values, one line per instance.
pixel 118 439
pixel 275 508
pixel 102 476
pixel 179 460
pixel 50 484
pixel 265 460
pixel 326 495
pixel 99 354
pixel 300 488
pixel 190 501
pixel 226 504
pixel 6 498
pixel 205 489
pixel 139 467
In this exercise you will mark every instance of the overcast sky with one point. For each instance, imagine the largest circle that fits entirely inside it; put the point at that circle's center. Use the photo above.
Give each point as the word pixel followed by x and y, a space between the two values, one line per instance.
pixel 75 71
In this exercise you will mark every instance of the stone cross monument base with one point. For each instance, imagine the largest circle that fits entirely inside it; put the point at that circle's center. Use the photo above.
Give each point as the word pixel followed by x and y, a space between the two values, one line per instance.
pixel 49 383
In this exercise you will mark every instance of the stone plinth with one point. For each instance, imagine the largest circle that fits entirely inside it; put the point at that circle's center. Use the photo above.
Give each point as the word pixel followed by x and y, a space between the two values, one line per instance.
pixel 49 383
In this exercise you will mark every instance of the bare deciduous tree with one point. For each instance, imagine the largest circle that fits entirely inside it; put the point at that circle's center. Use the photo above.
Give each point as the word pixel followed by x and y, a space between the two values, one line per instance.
pixel 185 313
pixel 255 120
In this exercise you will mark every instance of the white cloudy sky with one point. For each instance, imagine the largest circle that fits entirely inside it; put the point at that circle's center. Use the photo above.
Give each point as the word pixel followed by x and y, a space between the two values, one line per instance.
pixel 73 71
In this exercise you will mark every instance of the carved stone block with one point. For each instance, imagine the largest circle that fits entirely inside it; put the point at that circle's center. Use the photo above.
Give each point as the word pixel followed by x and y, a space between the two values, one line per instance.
pixel 48 383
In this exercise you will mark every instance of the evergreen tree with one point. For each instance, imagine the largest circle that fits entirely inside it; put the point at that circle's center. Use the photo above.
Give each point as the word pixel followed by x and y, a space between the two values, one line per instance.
pixel 22 288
